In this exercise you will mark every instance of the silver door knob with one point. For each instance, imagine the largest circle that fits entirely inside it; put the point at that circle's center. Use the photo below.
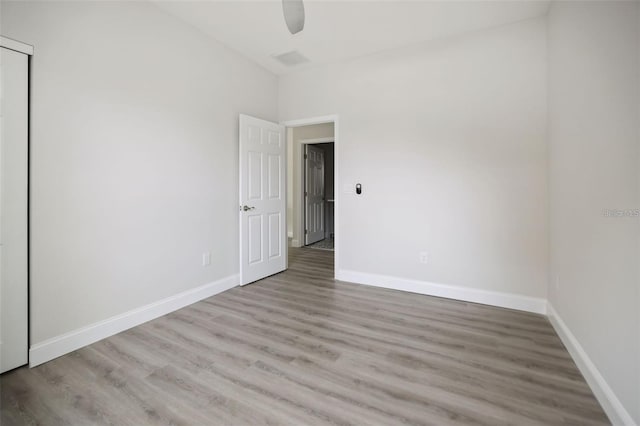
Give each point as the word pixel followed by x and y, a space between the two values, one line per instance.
pixel 245 208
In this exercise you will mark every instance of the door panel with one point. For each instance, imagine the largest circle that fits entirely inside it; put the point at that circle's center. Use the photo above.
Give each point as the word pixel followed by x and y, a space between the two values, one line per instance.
pixel 275 176
pixel 13 209
pixel 314 194
pixel 254 166
pixel 275 229
pixel 255 238
pixel 262 201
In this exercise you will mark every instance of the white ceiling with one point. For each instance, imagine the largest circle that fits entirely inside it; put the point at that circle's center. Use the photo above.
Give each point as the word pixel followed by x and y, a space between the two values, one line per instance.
pixel 340 30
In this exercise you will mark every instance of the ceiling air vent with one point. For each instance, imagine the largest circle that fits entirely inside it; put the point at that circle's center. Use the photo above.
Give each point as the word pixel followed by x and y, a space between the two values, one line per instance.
pixel 291 59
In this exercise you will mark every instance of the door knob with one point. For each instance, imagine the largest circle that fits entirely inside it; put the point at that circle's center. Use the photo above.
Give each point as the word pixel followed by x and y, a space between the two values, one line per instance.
pixel 245 208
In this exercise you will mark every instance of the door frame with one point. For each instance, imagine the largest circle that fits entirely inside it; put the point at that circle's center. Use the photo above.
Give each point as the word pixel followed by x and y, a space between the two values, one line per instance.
pixel 303 180
pixel 334 118
pixel 18 46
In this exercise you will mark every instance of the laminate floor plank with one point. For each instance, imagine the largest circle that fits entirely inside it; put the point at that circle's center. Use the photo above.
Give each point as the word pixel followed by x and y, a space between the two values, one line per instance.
pixel 458 340
pixel 370 340
pixel 429 319
pixel 300 348
pixel 351 342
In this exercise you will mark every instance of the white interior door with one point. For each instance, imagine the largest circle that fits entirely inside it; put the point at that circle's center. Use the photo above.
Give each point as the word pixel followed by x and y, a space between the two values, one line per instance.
pixel 314 194
pixel 13 208
pixel 263 230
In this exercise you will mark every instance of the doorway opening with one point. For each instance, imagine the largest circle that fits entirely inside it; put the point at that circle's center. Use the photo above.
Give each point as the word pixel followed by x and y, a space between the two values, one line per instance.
pixel 312 176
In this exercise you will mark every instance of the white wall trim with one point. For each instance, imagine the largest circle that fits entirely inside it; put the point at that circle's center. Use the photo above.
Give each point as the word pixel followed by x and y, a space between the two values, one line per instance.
pixel 69 342
pixel 309 121
pixel 16 45
pixel 316 140
pixel 467 294
pixel 601 389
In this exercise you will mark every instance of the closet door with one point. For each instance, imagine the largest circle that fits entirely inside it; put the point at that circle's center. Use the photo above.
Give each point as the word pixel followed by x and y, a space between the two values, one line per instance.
pixel 14 101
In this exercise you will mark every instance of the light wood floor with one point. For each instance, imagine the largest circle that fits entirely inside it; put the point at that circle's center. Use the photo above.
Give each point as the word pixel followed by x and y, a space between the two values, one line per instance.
pixel 300 348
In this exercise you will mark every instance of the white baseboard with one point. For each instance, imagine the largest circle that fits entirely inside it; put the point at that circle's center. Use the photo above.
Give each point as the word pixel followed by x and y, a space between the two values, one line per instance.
pixel 467 294
pixel 69 342
pixel 612 406
pixel 295 243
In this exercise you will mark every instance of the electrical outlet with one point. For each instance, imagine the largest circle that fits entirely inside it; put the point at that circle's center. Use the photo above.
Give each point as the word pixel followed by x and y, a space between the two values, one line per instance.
pixel 206 258
pixel 424 257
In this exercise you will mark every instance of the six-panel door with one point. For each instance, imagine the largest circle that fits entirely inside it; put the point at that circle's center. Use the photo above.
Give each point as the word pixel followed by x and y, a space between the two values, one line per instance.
pixel 263 244
pixel 314 194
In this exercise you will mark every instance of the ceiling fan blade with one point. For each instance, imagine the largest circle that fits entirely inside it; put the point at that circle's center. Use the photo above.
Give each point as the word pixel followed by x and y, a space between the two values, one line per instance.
pixel 293 15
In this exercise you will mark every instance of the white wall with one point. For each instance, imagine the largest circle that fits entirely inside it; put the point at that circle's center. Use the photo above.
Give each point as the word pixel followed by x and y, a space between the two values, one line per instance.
pixel 133 156
pixel 134 126
pixel 448 140
pixel 294 178
pixel 594 135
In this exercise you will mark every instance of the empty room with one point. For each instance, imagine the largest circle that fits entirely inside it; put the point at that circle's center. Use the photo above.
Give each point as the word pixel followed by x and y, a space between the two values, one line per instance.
pixel 319 212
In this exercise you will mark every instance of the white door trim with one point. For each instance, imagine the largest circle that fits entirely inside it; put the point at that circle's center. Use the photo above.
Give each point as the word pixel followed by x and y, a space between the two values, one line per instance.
pixel 313 120
pixel 16 45
pixel 317 140
pixel 336 170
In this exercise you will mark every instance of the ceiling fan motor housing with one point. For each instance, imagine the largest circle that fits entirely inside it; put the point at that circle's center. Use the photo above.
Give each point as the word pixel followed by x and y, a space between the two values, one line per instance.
pixel 293 15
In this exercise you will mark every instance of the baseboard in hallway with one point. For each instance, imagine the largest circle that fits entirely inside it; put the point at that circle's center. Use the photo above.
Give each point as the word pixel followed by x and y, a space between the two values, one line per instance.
pixel 326 244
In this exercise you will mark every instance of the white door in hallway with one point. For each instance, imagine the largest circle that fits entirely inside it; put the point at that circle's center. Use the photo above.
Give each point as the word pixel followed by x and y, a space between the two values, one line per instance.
pixel 14 129
pixel 263 231
pixel 314 194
